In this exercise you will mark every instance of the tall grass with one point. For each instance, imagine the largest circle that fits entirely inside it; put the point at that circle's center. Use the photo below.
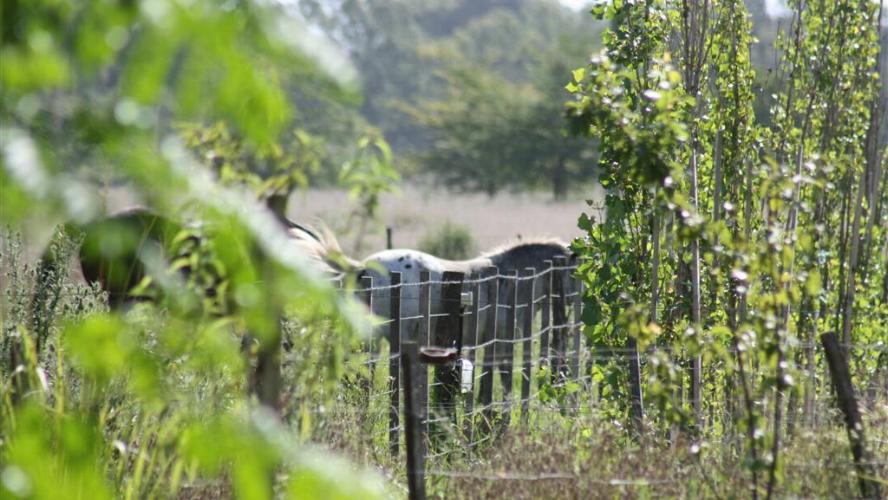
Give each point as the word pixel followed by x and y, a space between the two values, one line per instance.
pixel 147 392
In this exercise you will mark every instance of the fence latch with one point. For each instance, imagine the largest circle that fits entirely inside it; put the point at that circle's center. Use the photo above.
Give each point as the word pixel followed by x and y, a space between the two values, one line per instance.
pixel 437 355
pixel 467 375
pixel 465 298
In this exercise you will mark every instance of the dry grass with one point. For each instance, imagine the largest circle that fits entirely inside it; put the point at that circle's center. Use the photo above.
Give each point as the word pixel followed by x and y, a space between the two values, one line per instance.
pixel 418 211
pixel 589 456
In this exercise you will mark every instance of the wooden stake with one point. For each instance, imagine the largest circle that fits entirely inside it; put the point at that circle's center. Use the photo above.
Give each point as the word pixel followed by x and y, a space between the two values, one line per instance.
pixel 841 377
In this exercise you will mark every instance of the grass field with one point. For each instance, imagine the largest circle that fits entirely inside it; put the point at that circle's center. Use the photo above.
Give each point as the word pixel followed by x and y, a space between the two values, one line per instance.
pixel 418 211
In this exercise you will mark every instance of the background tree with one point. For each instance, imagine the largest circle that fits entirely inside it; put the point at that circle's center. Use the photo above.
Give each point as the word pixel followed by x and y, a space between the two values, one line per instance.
pixel 469 88
pixel 740 207
pixel 498 124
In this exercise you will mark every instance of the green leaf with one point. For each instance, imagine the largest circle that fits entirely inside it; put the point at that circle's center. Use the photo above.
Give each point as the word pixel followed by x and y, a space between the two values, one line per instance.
pixel 579 74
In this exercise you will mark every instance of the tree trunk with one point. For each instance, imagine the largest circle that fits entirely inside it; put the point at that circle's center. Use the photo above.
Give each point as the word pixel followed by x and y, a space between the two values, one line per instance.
pixel 885 278
pixel 697 361
pixel 870 171
pixel 655 267
pixel 695 31
pixel 873 159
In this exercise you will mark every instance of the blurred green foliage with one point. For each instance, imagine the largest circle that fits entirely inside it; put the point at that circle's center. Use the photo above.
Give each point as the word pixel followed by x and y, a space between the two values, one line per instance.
pixel 143 403
pixel 366 177
pixel 469 91
pixel 497 121
pixel 202 106
pixel 278 170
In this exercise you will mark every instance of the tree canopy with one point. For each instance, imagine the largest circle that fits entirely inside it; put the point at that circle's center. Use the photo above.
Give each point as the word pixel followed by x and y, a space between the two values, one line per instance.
pixel 471 91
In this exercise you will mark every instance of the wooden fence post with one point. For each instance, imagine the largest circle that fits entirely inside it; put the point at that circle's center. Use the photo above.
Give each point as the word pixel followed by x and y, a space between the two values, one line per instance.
pixel 841 377
pixel 577 327
pixel 635 394
pixel 366 296
pixel 559 320
pixel 413 421
pixel 394 361
pixel 470 355
pixel 265 380
pixel 268 373
pixel 268 376
pixel 546 316
pixel 529 296
pixel 572 331
pixel 422 381
pixel 811 378
pixel 448 334
pixel 485 394
pixel 507 347
pixel 365 293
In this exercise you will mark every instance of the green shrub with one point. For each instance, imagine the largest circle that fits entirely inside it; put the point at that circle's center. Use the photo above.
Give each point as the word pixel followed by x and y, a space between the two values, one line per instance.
pixel 450 241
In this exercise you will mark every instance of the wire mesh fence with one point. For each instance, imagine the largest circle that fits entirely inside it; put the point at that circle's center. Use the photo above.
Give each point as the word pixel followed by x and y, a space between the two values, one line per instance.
pixel 516 351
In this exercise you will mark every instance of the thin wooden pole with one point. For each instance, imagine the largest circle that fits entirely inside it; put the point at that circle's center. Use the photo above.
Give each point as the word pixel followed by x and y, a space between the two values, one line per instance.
pixel 635 394
pixel 422 380
pixel 847 402
pixel 575 331
pixel 448 334
pixel 507 348
pixel 365 293
pixel 528 294
pixel 470 355
pixel 394 362
pixel 545 316
pixel 578 328
pixel 366 296
pixel 486 391
pixel 559 322
pixel 413 422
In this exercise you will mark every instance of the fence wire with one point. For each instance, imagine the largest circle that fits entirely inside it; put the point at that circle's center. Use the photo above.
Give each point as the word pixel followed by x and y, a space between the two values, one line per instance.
pixel 553 366
pixel 556 377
